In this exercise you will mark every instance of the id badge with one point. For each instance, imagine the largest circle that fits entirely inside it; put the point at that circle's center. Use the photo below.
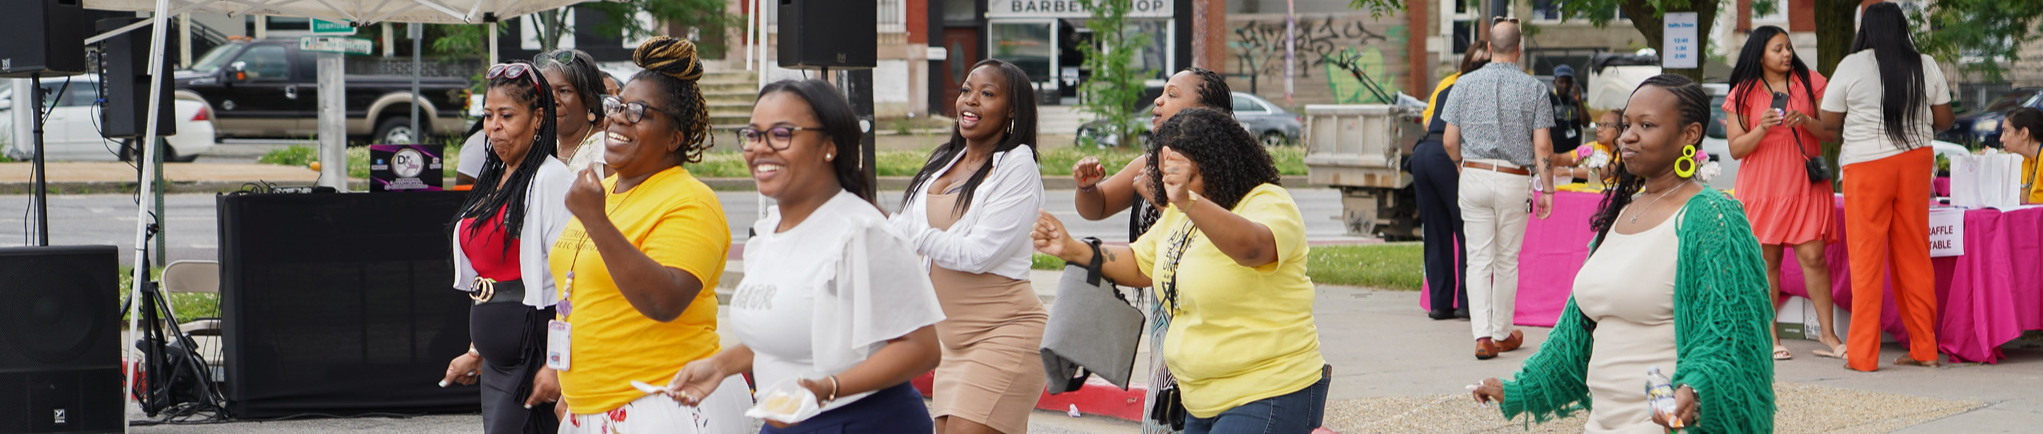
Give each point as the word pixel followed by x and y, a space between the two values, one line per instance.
pixel 557 341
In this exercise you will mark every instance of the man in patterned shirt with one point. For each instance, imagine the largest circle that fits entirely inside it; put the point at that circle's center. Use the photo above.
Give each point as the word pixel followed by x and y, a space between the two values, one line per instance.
pixel 1497 123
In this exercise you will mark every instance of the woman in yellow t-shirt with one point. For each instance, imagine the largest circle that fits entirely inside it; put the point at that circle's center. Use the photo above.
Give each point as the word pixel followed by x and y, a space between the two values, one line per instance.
pixel 1228 260
pixel 2018 135
pixel 638 265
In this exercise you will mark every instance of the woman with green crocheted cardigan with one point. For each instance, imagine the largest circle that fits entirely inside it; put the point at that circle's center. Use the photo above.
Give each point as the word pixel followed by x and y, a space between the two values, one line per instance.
pixel 1674 281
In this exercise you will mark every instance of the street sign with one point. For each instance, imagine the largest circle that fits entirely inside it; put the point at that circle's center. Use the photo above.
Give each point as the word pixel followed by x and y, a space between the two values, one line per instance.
pixel 1683 49
pixel 331 28
pixel 323 44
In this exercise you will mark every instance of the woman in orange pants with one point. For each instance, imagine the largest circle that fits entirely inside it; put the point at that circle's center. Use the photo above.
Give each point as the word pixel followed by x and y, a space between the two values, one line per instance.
pixel 1888 99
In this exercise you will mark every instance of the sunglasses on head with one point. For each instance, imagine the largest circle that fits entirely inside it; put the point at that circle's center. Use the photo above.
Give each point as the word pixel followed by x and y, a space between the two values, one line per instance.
pixel 1512 20
pixel 563 57
pixel 514 71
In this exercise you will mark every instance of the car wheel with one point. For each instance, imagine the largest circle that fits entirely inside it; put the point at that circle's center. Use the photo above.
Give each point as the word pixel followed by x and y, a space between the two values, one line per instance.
pixel 1274 138
pixel 395 131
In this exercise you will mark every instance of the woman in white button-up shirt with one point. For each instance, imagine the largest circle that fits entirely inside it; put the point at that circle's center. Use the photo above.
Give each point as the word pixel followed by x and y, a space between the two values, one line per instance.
pixel 969 213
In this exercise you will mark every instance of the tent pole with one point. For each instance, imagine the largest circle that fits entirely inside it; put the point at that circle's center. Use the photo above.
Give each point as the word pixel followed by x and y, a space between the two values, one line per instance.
pixel 489 27
pixel 141 272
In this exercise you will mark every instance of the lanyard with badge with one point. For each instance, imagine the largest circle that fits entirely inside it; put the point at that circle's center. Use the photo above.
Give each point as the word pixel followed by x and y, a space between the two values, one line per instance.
pixel 559 332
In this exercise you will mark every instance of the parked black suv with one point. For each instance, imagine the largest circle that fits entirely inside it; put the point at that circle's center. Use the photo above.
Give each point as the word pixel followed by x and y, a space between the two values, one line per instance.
pixel 269 88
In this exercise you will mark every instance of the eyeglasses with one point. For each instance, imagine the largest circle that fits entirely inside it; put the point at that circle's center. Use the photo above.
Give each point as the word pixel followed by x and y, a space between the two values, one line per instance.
pixel 513 71
pixel 561 57
pixel 1512 20
pixel 779 138
pixel 631 113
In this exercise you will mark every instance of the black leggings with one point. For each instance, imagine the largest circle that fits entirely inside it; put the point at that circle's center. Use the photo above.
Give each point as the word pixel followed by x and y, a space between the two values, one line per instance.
pixel 1438 185
pixel 512 339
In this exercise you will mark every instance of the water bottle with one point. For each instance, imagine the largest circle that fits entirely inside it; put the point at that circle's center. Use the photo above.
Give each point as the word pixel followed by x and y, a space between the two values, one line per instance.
pixel 1660 394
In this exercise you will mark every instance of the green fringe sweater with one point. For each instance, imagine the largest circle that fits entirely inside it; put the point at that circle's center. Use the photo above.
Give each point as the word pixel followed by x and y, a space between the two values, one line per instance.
pixel 1721 315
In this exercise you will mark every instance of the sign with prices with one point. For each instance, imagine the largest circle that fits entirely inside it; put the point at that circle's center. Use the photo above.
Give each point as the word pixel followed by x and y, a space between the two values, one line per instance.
pixel 1681 46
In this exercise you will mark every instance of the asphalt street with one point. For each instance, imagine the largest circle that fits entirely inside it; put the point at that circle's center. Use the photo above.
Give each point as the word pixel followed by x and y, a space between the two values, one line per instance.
pixel 191 232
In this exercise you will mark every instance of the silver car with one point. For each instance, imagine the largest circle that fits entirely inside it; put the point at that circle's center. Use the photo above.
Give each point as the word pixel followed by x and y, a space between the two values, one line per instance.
pixel 1270 124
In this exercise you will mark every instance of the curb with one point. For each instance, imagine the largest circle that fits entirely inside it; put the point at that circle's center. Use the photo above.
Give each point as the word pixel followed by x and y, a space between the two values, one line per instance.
pixel 1098 398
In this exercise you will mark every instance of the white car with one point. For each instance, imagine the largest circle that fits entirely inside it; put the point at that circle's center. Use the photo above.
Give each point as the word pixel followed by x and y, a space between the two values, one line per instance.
pixel 72 130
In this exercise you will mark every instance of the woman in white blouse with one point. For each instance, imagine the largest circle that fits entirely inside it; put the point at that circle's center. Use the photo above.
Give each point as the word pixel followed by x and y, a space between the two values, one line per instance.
pixel 833 299
pixel 969 213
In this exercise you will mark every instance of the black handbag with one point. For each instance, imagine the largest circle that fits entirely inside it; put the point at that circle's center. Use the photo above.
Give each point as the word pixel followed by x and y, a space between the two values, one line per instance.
pixel 1168 409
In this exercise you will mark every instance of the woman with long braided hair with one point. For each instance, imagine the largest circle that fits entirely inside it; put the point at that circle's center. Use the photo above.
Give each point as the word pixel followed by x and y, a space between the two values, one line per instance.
pixel 1674 282
pixel 502 239
pixel 641 259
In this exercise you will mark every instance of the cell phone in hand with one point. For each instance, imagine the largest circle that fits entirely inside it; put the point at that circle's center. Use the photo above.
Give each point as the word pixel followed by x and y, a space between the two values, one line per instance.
pixel 1780 103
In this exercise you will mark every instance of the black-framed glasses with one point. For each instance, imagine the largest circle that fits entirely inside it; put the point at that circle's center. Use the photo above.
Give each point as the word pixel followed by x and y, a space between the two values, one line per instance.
pixel 513 71
pixel 563 57
pixel 629 112
pixel 1512 20
pixel 779 137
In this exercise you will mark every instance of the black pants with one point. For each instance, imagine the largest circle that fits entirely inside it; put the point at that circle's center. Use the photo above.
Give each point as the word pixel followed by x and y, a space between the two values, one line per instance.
pixel 512 339
pixel 1438 185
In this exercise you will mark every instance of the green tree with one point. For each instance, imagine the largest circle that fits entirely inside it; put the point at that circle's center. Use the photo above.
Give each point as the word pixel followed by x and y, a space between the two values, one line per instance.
pixel 1978 36
pixel 1116 85
pixel 458 38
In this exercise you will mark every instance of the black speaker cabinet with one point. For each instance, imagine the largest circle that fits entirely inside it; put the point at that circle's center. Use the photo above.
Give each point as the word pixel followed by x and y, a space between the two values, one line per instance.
pixel 125 59
pixel 829 34
pixel 340 304
pixel 60 366
pixel 44 37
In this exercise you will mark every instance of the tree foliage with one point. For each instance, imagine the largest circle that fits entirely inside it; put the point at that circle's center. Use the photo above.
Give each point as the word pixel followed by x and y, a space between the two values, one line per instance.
pixel 460 39
pixel 1979 36
pixel 1115 86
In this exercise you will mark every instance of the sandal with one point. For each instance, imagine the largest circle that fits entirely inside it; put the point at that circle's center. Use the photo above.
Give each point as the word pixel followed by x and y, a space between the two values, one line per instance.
pixel 1834 352
pixel 1782 353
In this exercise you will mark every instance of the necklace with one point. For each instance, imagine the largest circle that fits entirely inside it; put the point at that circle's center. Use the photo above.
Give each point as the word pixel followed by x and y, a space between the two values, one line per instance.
pixel 1656 201
pixel 563 307
pixel 579 144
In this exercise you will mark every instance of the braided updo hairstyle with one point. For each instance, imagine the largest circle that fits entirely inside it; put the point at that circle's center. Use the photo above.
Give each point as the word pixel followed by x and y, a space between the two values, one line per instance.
pixel 1231 162
pixel 1694 105
pixel 674 65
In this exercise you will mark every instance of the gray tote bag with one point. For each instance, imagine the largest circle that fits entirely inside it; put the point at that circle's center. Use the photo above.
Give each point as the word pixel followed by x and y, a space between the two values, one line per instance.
pixel 1093 329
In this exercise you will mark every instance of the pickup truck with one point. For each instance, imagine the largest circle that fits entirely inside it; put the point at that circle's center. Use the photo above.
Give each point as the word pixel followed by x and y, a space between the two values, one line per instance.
pixel 268 88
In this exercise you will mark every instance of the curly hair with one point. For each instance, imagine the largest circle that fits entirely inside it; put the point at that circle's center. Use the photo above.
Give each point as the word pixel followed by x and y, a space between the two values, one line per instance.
pixel 1230 161
pixel 506 203
pixel 673 65
pixel 1694 105
pixel 1213 90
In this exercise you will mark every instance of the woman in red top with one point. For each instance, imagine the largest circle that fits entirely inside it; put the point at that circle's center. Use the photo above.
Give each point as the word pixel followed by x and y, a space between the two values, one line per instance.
pixel 502 236
pixel 1773 147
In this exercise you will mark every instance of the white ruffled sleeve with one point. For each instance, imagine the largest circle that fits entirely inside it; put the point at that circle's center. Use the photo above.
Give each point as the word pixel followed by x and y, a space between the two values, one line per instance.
pixel 880 292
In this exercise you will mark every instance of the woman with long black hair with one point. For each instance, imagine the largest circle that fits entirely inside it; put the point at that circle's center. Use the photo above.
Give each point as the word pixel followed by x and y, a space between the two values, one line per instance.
pixel 968 212
pixel 1672 283
pixel 1789 210
pixel 833 299
pixel 502 239
pixel 1438 181
pixel 1889 101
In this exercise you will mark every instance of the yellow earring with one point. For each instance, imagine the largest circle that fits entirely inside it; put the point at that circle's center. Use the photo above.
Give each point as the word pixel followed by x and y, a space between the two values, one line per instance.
pixel 1685 167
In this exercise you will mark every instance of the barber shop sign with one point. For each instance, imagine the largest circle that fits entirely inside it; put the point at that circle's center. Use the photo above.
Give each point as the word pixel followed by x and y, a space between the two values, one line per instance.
pixel 1070 9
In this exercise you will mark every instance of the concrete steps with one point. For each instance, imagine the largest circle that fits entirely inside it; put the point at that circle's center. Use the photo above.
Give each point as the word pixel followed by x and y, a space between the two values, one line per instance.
pixel 729 95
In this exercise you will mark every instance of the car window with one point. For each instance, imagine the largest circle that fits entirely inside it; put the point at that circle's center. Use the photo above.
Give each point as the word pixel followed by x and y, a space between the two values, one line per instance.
pixel 266 62
pixel 1245 105
pixel 1716 129
pixel 79 94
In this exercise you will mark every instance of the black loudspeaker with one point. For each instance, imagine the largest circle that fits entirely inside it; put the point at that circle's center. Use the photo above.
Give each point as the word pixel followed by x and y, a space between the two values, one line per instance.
pixel 340 304
pixel 829 34
pixel 44 37
pixel 60 366
pixel 125 61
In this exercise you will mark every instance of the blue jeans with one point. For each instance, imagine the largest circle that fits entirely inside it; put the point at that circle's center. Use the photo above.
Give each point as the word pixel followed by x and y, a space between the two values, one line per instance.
pixel 1294 413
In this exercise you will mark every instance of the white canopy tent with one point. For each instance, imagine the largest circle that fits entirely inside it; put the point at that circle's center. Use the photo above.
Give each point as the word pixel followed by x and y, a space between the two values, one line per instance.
pixel 353 11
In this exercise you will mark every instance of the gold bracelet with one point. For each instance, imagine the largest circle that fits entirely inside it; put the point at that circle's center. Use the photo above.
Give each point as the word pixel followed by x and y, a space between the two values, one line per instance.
pixel 833 389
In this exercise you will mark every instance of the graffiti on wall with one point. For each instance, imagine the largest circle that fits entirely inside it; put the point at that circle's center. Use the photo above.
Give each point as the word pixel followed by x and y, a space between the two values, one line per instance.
pixel 1331 51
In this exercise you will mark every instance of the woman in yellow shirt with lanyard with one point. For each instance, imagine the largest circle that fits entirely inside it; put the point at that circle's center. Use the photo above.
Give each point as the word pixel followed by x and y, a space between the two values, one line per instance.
pixel 2018 135
pixel 638 265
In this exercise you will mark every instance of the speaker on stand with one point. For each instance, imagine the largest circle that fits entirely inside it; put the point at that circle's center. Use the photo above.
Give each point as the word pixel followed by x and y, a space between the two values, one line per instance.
pixel 41 38
pixel 826 34
pixel 60 369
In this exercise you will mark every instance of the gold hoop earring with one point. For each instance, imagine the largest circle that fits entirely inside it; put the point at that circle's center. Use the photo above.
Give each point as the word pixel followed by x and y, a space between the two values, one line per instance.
pixel 1687 158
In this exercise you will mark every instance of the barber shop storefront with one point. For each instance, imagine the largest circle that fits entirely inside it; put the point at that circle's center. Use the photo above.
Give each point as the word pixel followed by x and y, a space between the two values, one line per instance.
pixel 1042 37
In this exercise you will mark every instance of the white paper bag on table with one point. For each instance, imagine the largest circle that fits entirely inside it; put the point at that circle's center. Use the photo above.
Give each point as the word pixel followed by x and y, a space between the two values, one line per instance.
pixel 1986 181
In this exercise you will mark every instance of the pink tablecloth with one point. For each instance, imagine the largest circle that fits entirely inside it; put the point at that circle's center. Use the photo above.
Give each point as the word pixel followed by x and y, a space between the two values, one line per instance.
pixel 1986 297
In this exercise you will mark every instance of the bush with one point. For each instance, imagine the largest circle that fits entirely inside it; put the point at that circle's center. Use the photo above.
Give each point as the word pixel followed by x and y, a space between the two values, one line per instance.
pixel 294 155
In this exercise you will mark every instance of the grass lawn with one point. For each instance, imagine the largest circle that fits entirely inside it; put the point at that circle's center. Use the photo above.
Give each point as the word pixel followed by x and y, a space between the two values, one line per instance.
pixel 1393 266
pixel 187 305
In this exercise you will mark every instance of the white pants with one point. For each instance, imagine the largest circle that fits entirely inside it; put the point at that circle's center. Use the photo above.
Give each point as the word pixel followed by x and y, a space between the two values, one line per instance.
pixel 722 413
pixel 1493 213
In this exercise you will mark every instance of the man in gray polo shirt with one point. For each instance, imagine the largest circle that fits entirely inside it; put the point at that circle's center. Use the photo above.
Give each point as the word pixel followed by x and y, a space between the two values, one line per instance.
pixel 1497 120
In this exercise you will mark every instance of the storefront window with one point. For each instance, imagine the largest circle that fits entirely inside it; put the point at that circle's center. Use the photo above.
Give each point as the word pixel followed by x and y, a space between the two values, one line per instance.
pixel 1026 45
pixel 1154 56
